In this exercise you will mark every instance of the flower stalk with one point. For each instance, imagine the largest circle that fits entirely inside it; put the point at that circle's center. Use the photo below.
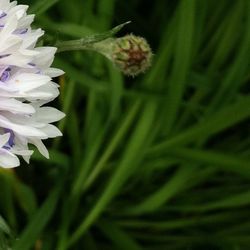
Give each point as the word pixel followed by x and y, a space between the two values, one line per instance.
pixel 86 43
pixel 131 54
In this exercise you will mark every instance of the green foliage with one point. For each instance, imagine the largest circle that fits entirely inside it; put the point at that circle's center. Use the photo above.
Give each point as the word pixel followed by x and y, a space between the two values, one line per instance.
pixel 161 161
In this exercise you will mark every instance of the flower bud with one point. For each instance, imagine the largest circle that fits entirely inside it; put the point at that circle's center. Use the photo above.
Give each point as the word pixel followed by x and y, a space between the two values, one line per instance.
pixel 131 54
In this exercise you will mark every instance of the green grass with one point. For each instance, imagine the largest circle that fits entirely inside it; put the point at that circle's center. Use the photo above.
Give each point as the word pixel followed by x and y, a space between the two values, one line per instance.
pixel 161 161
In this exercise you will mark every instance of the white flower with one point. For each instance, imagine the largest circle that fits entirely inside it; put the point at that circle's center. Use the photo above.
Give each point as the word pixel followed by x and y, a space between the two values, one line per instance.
pixel 25 87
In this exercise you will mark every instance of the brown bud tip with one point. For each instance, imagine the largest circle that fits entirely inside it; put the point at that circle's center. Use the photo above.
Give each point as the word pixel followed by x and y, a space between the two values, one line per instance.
pixel 131 54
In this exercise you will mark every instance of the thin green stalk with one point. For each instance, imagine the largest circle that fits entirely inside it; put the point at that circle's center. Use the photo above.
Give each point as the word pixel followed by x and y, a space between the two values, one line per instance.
pixel 112 146
pixel 182 62
pixel 128 163
pixel 217 122
pixel 87 43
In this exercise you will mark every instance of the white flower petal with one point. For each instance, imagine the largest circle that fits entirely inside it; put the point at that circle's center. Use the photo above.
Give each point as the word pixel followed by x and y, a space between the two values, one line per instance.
pixel 40 146
pixel 15 106
pixel 8 160
pixel 51 131
pixel 48 115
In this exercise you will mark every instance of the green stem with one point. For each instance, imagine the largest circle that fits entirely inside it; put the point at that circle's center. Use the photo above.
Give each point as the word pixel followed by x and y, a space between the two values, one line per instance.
pixel 80 183
pixel 128 164
pixel 117 138
pixel 88 42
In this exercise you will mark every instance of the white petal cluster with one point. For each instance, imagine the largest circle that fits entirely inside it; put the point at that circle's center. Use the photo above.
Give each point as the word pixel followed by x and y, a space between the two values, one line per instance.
pixel 25 87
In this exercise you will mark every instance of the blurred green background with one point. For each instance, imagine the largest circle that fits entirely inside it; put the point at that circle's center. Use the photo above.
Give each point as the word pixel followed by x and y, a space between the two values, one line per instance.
pixel 160 161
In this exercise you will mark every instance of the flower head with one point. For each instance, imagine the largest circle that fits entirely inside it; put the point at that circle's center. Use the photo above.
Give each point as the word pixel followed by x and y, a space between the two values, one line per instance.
pixel 25 87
